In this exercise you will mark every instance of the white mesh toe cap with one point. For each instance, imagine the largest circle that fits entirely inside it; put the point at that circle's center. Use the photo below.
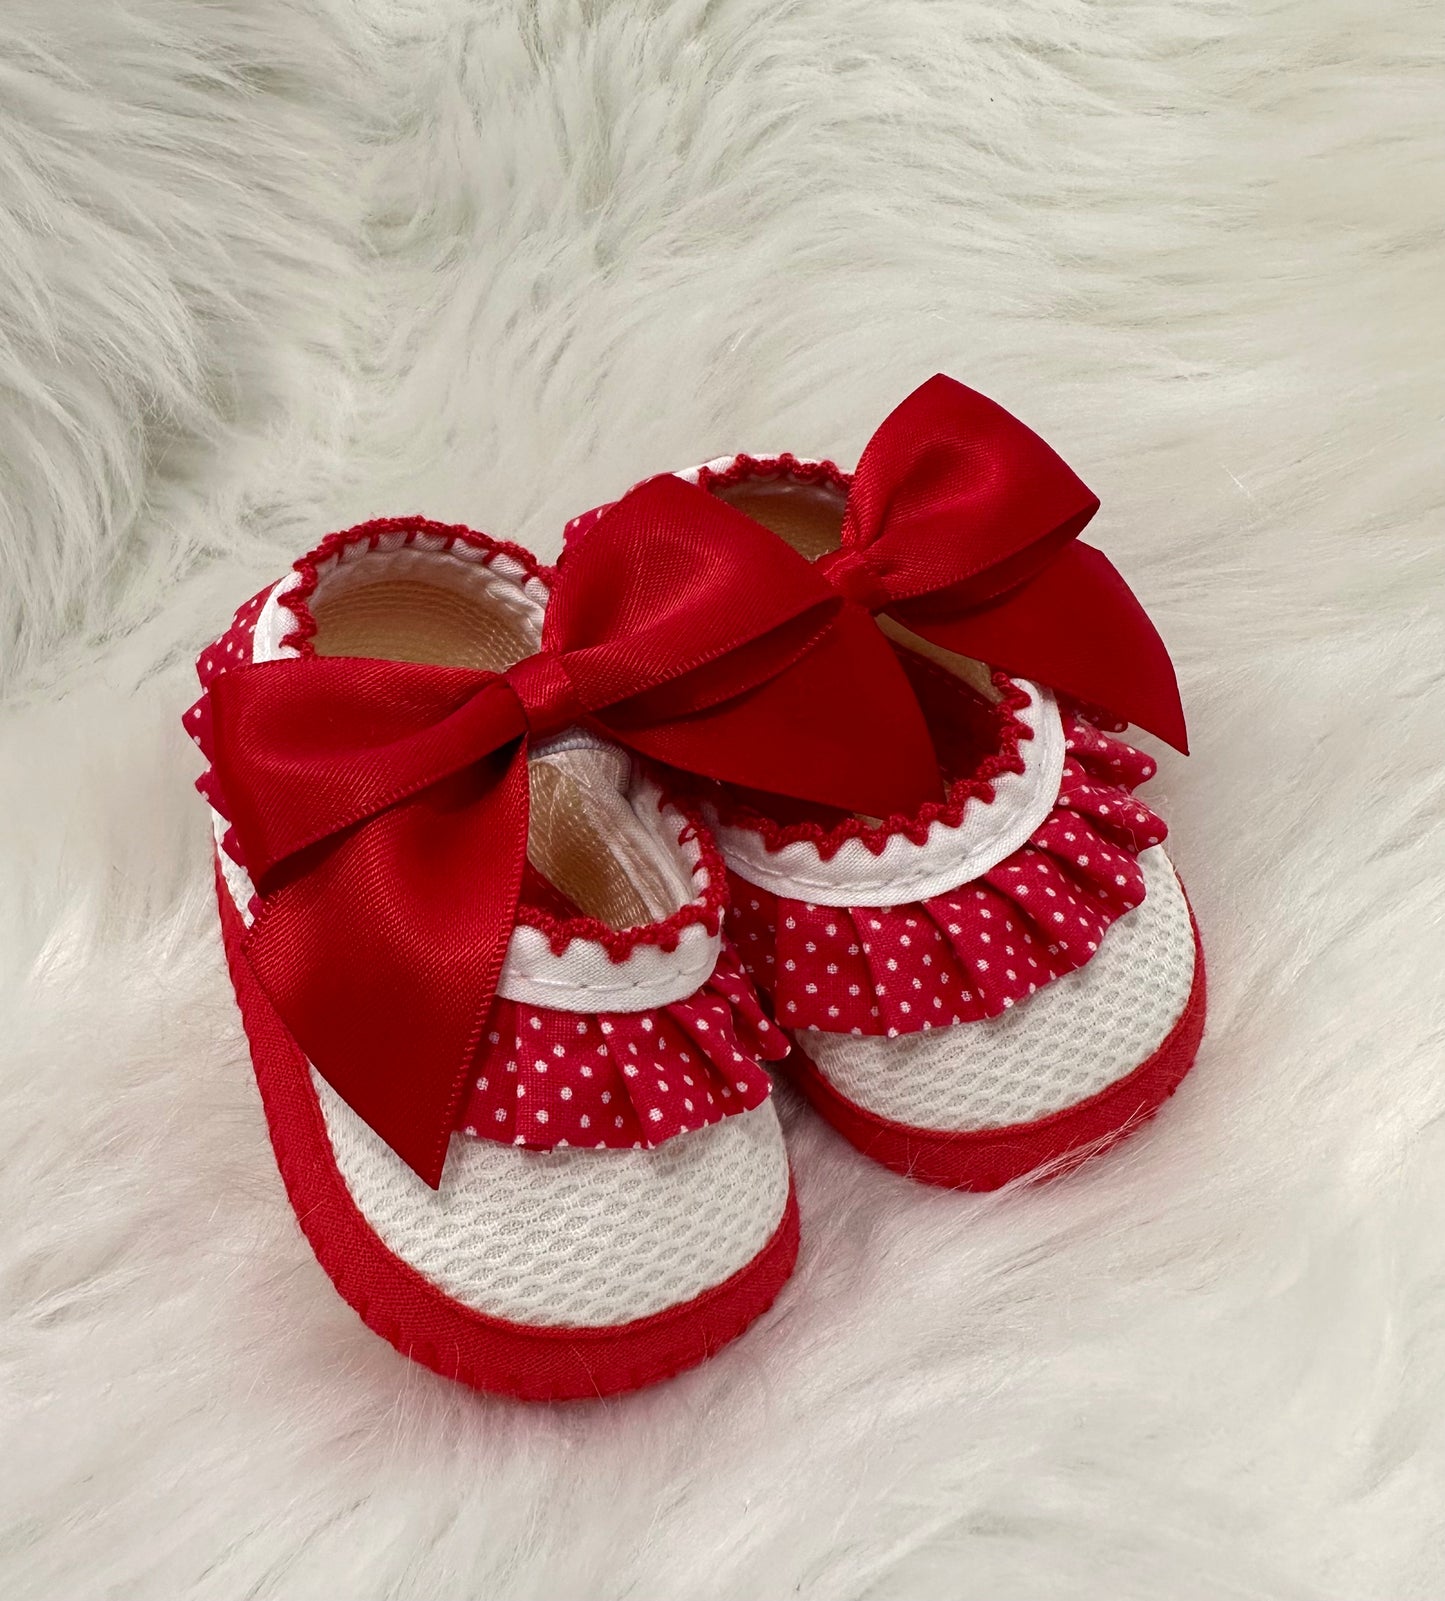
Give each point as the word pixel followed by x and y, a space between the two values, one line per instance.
pixel 1074 1038
pixel 573 1238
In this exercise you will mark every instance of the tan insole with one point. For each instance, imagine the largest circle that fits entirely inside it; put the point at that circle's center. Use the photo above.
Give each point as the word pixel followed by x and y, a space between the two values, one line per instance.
pixel 808 516
pixel 574 856
pixel 407 620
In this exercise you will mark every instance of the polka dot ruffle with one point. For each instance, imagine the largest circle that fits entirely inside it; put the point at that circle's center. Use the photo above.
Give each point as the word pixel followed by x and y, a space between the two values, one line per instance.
pixel 623 1079
pixel 977 950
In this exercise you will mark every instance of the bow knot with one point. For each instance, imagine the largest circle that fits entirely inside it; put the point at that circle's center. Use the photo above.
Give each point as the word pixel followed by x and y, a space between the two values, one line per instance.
pixel 856 577
pixel 549 699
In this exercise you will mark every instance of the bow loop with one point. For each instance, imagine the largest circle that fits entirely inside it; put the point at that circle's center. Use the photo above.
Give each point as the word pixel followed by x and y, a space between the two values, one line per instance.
pixel 952 484
pixel 710 593
pixel 723 652
pixel 310 746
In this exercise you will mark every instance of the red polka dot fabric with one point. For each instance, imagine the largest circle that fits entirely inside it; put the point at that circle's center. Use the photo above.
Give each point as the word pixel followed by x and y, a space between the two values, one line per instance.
pixel 623 1079
pixel 583 524
pixel 978 950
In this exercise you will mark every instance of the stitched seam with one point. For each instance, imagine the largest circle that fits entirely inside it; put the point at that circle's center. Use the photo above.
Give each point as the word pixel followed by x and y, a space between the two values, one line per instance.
pixel 609 989
pixel 623 988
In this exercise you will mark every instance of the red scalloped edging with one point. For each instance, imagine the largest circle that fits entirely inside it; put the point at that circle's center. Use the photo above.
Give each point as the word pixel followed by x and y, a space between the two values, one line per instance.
pixel 743 467
pixel 707 909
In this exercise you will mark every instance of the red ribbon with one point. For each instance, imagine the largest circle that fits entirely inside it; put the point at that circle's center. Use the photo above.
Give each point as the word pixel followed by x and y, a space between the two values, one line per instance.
pixel 963 525
pixel 381 807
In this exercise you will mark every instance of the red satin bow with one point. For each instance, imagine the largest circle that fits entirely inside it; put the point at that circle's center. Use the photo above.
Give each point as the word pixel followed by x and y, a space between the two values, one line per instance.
pixel 962 524
pixel 381 807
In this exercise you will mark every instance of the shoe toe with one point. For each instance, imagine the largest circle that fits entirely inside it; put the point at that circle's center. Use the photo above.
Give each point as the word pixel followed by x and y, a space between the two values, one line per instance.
pixel 573 1238
pixel 1074 1065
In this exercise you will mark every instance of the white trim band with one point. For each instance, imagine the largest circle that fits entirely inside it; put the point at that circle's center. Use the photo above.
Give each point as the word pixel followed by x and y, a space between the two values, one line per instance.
pixel 274 623
pixel 584 978
pixel 950 856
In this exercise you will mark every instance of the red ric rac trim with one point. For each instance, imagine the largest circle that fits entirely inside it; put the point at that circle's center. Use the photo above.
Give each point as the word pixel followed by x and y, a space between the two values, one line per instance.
pixel 298 600
pixel 741 468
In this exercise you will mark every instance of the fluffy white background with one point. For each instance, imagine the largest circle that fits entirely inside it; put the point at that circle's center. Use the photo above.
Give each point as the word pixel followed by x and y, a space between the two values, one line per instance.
pixel 269 266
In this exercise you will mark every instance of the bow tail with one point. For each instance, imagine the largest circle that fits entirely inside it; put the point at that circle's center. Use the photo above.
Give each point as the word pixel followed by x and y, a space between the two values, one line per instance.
pixel 771 738
pixel 382 948
pixel 1077 627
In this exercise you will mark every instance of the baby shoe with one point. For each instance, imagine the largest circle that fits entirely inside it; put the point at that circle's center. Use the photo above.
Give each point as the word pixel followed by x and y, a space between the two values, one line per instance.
pixel 510 1065
pixel 1009 977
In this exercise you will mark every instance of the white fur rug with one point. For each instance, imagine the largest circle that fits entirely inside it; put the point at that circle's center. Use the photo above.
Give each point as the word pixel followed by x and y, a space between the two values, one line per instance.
pixel 271 266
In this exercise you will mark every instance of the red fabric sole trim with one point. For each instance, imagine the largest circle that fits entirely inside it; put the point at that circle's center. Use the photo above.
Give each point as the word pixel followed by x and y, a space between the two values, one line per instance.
pixel 985 1159
pixel 422 1321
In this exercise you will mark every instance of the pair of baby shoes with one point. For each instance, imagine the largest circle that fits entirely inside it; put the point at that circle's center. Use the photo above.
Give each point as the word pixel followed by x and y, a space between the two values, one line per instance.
pixel 526 874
